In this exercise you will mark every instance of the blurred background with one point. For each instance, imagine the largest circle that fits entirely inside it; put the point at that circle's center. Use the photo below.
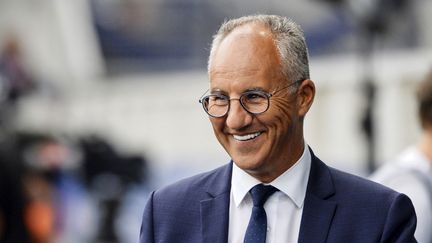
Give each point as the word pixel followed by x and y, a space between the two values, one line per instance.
pixel 99 101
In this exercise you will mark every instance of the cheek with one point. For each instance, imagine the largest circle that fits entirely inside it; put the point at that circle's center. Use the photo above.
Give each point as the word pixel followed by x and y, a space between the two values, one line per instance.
pixel 281 113
pixel 218 125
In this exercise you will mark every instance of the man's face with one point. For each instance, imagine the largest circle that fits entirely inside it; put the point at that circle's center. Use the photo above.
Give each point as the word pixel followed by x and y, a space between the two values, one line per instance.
pixel 267 144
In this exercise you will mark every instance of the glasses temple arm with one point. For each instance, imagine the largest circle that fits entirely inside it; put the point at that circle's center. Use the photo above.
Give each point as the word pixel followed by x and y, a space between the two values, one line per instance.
pixel 200 99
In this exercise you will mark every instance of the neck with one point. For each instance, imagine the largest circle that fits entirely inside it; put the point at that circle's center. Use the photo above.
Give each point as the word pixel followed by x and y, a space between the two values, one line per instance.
pixel 280 168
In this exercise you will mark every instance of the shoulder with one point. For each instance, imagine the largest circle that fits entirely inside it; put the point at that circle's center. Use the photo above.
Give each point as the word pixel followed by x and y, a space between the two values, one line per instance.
pixel 353 192
pixel 183 199
pixel 364 211
pixel 368 198
pixel 356 186
pixel 328 182
pixel 365 200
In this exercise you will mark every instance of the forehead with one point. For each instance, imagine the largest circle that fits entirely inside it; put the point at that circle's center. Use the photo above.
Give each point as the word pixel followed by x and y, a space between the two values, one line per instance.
pixel 247 56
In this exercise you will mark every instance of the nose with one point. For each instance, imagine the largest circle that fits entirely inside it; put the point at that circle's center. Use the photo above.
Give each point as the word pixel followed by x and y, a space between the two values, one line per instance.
pixel 237 117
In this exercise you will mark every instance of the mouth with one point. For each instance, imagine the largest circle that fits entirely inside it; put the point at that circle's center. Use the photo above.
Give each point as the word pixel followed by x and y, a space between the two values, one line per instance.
pixel 246 137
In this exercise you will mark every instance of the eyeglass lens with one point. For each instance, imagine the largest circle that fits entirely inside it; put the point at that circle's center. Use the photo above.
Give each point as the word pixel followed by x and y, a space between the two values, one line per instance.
pixel 218 105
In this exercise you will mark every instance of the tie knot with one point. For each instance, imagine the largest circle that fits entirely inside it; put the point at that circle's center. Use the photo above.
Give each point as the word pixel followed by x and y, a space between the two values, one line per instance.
pixel 260 193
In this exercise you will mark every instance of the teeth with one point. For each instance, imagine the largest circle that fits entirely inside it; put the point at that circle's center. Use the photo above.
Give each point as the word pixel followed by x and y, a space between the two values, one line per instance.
pixel 246 137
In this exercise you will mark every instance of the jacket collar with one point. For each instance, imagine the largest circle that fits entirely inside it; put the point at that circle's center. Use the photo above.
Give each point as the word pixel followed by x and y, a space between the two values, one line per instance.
pixel 318 211
pixel 215 208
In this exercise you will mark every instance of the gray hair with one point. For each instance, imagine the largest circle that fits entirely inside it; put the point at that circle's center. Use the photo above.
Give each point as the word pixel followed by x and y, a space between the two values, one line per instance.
pixel 289 40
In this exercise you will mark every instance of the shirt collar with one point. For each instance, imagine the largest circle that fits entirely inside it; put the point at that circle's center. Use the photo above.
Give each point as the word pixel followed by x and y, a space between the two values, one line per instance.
pixel 292 182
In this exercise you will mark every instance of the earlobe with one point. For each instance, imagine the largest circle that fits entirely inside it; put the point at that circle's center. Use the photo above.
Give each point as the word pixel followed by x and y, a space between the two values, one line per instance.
pixel 306 96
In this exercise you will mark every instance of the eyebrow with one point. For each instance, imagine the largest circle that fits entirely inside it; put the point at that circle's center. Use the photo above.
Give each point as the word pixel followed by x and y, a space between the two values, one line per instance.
pixel 220 91
pixel 254 89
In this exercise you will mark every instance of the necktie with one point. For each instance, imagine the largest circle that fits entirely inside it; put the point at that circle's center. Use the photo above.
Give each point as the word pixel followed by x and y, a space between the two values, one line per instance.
pixel 257 227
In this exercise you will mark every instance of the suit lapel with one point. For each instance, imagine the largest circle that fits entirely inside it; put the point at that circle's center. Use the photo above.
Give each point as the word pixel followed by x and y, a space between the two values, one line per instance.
pixel 318 211
pixel 215 208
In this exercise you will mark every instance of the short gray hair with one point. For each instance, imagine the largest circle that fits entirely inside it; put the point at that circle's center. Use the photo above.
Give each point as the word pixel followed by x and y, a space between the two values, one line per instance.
pixel 289 40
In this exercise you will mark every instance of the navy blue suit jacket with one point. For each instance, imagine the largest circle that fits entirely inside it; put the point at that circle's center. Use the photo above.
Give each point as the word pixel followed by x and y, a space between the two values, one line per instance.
pixel 338 207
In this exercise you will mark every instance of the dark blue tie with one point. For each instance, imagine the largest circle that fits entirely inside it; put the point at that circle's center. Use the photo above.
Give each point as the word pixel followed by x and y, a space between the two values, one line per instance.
pixel 257 228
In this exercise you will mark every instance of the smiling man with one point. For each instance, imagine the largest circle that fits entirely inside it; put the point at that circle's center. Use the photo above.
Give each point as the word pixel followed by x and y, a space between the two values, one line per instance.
pixel 274 189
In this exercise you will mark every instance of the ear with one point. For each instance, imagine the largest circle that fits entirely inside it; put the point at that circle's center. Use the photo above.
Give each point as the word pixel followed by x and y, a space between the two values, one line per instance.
pixel 305 96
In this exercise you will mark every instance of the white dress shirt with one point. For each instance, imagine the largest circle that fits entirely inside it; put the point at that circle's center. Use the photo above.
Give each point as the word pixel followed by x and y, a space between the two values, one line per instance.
pixel 284 208
pixel 397 175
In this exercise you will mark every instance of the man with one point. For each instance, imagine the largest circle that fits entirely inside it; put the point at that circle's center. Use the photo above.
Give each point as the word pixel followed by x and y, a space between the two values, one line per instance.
pixel 411 172
pixel 275 189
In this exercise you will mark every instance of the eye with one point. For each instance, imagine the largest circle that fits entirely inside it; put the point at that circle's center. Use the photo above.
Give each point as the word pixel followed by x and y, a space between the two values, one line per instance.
pixel 217 100
pixel 254 97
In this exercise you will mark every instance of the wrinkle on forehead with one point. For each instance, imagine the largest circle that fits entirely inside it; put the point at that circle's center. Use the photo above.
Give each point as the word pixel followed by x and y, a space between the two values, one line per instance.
pixel 227 71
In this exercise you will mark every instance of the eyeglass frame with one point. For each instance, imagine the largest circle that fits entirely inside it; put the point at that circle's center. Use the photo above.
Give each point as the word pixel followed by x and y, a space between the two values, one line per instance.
pixel 266 94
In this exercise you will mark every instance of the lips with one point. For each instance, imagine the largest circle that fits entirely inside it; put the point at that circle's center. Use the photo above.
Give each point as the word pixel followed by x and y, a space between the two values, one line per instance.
pixel 246 137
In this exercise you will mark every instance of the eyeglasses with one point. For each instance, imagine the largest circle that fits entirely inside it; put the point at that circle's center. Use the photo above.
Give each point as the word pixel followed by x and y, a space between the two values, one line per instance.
pixel 255 102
